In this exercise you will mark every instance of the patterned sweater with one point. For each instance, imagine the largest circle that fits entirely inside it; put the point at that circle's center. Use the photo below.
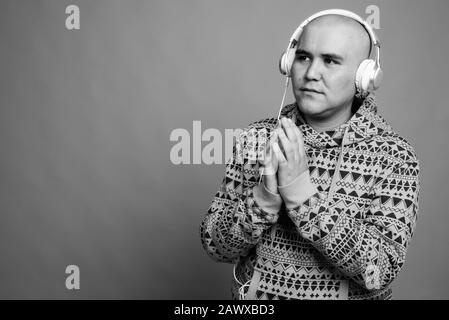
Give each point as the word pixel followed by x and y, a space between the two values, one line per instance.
pixel 346 233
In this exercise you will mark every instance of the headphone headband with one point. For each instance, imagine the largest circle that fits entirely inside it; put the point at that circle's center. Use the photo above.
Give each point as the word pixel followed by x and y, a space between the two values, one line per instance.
pixel 345 13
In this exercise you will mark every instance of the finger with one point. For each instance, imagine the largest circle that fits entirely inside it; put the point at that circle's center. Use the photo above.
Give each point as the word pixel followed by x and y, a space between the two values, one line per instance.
pixel 299 138
pixel 264 159
pixel 274 138
pixel 291 128
pixel 288 128
pixel 266 164
pixel 267 171
pixel 285 144
pixel 278 153
pixel 267 156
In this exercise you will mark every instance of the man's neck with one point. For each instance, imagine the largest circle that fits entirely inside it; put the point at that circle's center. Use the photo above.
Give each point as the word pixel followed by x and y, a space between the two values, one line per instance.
pixel 332 122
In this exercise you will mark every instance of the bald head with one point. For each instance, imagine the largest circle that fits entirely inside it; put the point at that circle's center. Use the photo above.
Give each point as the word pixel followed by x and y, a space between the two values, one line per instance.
pixel 356 37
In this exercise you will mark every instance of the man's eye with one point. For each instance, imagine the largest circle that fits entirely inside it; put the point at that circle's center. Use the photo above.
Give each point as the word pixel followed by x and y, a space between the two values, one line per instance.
pixel 330 61
pixel 302 57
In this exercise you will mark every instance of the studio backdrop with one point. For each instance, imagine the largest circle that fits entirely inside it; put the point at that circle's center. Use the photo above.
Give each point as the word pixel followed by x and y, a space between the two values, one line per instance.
pixel 109 110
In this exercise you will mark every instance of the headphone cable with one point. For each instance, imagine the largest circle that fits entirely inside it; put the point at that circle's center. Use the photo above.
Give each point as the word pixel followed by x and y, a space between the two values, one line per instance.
pixel 283 97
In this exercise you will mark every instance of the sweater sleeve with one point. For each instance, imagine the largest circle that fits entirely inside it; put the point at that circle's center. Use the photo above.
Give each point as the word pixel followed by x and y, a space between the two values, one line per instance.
pixel 371 250
pixel 241 209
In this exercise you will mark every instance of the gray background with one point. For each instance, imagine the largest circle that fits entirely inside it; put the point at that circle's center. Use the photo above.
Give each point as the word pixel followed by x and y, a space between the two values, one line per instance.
pixel 86 116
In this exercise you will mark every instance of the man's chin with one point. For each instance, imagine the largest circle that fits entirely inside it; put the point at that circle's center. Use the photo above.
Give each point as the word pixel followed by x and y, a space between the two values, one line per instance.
pixel 310 106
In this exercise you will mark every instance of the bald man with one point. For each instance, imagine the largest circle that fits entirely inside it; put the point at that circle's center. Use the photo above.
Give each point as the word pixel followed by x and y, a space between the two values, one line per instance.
pixel 337 203
pixel 330 50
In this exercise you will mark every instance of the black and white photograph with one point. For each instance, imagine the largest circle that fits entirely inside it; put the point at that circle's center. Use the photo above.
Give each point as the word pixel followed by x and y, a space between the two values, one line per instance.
pixel 211 150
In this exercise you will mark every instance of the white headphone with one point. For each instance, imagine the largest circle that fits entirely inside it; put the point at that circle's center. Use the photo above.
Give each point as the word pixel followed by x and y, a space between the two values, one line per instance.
pixel 369 74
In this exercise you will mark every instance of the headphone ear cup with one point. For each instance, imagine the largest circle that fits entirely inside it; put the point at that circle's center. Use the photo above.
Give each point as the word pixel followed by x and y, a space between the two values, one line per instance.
pixel 282 67
pixel 286 61
pixel 377 78
pixel 363 77
pixel 289 58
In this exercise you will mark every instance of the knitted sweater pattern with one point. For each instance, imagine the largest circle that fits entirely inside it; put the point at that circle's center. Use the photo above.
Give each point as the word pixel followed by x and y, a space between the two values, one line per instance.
pixel 347 236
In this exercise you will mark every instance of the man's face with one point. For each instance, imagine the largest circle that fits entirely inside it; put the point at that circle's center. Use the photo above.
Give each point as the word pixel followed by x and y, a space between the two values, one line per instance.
pixel 325 66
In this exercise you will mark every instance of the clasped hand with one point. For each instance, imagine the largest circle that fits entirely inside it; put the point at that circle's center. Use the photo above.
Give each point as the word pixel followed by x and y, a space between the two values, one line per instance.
pixel 285 157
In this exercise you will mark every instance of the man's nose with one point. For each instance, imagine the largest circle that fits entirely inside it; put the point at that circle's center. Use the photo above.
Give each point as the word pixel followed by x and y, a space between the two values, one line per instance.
pixel 313 72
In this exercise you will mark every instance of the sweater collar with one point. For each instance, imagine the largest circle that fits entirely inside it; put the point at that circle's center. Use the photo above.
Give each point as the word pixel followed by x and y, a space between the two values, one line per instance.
pixel 364 124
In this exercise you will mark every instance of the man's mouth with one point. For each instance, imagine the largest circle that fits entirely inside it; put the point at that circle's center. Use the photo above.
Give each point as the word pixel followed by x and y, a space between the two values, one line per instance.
pixel 304 89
